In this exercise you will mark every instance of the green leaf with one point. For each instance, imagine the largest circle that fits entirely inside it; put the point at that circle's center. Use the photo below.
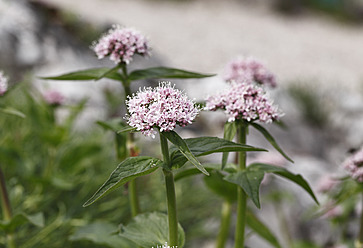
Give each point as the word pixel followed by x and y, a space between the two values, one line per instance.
pixel 220 187
pixel 174 138
pixel 12 111
pixel 207 145
pixel 101 233
pixel 114 124
pixel 298 179
pixel 165 72
pixel 21 219
pixel 127 129
pixel 209 167
pixel 150 230
pixel 250 182
pixel 88 74
pixel 230 130
pixel 110 72
pixel 271 139
pixel 127 170
pixel 261 229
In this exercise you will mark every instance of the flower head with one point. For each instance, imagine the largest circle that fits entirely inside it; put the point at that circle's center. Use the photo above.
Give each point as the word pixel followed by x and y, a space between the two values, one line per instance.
pixel 162 107
pixel 3 83
pixel 248 70
pixel 354 165
pixel 53 97
pixel 121 44
pixel 244 102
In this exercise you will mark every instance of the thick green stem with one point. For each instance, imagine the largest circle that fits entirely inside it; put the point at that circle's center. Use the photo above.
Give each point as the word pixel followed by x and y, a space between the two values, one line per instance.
pixel 170 194
pixel 360 238
pixel 6 208
pixel 225 223
pixel 241 195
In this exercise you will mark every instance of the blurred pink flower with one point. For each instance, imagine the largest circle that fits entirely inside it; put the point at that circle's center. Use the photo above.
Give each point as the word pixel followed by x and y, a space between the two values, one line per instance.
pixel 53 97
pixel 3 83
pixel 248 70
pixel 244 101
pixel 354 165
pixel 326 183
pixel 121 44
pixel 162 107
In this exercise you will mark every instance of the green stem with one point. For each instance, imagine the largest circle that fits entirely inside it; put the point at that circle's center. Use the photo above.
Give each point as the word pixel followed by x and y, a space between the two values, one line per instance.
pixel 170 194
pixel 6 208
pixel 225 223
pixel 241 195
pixel 360 238
pixel 132 186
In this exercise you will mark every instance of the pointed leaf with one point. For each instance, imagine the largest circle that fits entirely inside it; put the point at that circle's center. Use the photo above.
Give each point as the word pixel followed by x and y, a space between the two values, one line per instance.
pixel 298 179
pixel 261 229
pixel 109 73
pixel 220 187
pixel 230 130
pixel 127 170
pixel 150 230
pixel 101 233
pixel 165 72
pixel 250 182
pixel 127 129
pixel 114 124
pixel 12 111
pixel 271 139
pixel 174 138
pixel 21 219
pixel 231 168
pixel 88 74
pixel 207 145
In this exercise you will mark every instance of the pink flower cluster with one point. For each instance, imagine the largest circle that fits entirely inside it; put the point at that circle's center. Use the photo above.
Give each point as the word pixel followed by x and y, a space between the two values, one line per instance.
pixel 244 102
pixel 53 97
pixel 3 83
pixel 248 70
pixel 162 107
pixel 121 44
pixel 354 165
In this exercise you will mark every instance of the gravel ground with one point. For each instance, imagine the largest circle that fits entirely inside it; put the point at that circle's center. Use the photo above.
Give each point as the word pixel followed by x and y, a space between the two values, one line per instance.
pixel 205 35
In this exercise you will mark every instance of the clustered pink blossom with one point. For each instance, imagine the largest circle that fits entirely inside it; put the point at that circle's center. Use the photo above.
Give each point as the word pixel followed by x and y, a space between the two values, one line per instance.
pixel 248 70
pixel 53 97
pixel 121 44
pixel 3 83
pixel 162 107
pixel 354 165
pixel 244 102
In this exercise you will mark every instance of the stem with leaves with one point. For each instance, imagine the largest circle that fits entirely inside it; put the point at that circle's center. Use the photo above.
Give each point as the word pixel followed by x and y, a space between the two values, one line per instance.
pixel 170 193
pixel 241 195
pixel 5 204
pixel 132 186
pixel 225 223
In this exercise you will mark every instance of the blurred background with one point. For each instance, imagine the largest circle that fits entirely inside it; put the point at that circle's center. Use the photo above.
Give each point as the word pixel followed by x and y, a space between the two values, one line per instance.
pixel 314 47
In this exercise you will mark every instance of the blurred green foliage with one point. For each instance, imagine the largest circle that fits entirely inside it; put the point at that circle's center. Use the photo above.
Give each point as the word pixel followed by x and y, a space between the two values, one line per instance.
pixel 52 168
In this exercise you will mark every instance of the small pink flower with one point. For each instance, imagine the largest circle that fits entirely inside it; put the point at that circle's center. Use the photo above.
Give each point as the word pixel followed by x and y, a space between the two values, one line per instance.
pixel 3 83
pixel 121 44
pixel 248 70
pixel 354 165
pixel 53 97
pixel 162 107
pixel 244 102
pixel 326 184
